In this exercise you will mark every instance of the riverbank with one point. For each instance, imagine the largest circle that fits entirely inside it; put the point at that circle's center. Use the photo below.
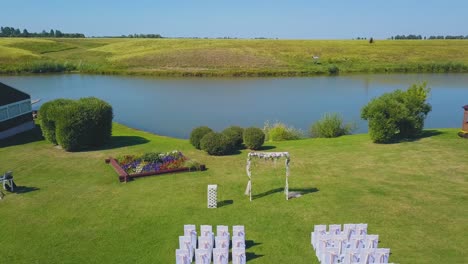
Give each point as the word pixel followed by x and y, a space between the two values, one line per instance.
pixel 231 57
pixel 412 194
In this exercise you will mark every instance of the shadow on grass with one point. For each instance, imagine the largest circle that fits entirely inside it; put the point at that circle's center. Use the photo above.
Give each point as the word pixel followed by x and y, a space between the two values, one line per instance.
pixel 296 191
pixel 120 142
pixel 25 189
pixel 225 203
pixel 251 243
pixel 425 134
pixel 267 147
pixel 26 137
pixel 251 256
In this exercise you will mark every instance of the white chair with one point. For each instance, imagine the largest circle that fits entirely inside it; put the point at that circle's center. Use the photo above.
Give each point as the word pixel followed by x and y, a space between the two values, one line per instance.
pixel 222 242
pixel 182 256
pixel 238 256
pixel 331 256
pixel 349 230
pixel 190 230
pixel 205 243
pixel 350 256
pixel 357 242
pixel 207 231
pixel 202 256
pixel 318 230
pixel 372 241
pixel 382 255
pixel 323 242
pixel 238 231
pixel 361 229
pixel 7 178
pixel 238 242
pixel 220 256
pixel 334 229
pixel 222 231
pixel 340 242
pixel 367 256
pixel 185 242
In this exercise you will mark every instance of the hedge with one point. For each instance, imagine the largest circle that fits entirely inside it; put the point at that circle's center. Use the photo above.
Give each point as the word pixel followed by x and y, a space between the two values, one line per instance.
pixel 76 125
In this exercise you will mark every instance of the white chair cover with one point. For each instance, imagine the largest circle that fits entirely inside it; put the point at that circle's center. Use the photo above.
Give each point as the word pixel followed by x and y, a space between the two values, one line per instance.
pixel 367 256
pixel 334 229
pixel 185 242
pixel 207 231
pixel 318 230
pixel 182 256
pixel 357 242
pixel 202 256
pixel 382 255
pixel 331 256
pixel 361 229
pixel 190 230
pixel 222 231
pixel 220 256
pixel 238 242
pixel 323 242
pixel 205 243
pixel 350 256
pixel 372 241
pixel 340 242
pixel 222 242
pixel 238 256
pixel 349 230
pixel 238 231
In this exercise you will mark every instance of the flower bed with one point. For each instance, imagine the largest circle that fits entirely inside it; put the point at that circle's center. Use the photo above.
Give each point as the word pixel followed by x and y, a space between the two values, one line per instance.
pixel 153 163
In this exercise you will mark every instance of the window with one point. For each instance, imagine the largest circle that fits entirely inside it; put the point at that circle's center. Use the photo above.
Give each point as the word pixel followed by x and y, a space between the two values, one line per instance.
pixel 13 110
pixel 3 114
pixel 25 107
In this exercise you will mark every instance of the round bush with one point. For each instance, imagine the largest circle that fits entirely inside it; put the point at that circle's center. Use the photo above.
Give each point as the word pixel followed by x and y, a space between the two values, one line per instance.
pixel 47 115
pixel 235 135
pixel 253 138
pixel 197 134
pixel 76 125
pixel 215 144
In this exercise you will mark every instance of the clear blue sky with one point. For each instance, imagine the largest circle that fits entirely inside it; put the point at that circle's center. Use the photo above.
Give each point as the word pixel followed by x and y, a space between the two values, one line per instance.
pixel 291 19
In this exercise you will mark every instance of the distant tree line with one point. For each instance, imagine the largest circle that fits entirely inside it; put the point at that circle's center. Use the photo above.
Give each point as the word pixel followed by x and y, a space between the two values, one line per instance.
pixel 10 32
pixel 411 36
pixel 141 36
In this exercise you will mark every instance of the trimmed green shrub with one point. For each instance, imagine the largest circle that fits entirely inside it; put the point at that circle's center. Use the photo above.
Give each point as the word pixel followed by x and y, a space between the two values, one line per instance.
pixel 215 144
pixel 235 135
pixel 280 132
pixel 254 138
pixel 76 125
pixel 397 115
pixel 47 115
pixel 331 125
pixel 197 134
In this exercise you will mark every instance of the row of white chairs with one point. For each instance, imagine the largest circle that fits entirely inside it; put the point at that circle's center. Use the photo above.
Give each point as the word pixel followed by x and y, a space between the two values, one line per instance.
pixel 331 255
pixel 211 246
pixel 351 244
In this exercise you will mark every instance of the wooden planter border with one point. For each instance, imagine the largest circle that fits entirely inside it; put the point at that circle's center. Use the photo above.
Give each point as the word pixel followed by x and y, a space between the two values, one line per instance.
pixel 125 177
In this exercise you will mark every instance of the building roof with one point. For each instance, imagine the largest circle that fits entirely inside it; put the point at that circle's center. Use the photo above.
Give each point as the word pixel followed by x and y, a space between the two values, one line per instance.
pixel 10 95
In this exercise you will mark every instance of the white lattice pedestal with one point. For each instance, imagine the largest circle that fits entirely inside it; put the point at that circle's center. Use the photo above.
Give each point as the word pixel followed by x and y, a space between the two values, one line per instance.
pixel 212 196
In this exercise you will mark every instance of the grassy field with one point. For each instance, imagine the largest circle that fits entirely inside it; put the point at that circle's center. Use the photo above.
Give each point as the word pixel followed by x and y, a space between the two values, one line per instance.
pixel 72 209
pixel 216 57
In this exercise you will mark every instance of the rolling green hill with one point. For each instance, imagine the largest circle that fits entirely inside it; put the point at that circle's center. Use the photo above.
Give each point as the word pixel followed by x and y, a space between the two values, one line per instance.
pixel 230 57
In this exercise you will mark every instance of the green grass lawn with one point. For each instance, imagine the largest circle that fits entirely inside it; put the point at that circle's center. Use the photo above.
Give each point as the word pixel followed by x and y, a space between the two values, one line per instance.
pixel 73 209
pixel 230 57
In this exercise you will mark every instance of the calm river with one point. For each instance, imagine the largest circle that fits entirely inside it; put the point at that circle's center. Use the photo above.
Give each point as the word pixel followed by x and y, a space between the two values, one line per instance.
pixel 174 106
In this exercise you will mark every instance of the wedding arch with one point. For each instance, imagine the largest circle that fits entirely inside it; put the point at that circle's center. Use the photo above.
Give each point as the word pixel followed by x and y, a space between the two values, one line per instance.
pixel 267 156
